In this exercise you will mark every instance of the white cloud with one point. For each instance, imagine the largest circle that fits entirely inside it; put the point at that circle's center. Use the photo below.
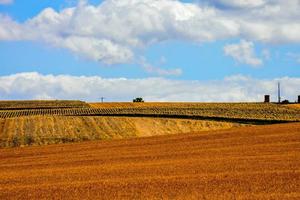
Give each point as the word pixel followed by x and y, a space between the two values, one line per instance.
pixel 99 50
pixel 116 31
pixel 10 30
pixel 129 25
pixel 5 2
pixel 243 53
pixel 235 88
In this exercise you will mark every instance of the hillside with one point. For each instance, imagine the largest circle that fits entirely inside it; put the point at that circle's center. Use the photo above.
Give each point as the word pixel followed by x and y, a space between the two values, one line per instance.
pixel 242 112
pixel 24 123
pixel 39 130
pixel 259 162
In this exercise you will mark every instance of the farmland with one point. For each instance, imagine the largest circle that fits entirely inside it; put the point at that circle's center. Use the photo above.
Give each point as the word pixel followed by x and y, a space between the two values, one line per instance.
pixel 41 130
pixel 41 104
pixel 148 150
pixel 295 106
pixel 235 111
pixel 24 123
pixel 216 111
pixel 260 162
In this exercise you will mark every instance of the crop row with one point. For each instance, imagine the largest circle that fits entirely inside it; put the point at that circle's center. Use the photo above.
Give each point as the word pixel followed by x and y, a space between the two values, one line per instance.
pixel 41 104
pixel 237 106
pixel 277 113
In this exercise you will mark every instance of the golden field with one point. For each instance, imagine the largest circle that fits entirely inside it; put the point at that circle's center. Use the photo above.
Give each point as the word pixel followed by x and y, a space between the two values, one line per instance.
pixel 41 104
pixel 41 130
pixel 24 123
pixel 297 106
pixel 188 105
pixel 260 162
pixel 235 111
pixel 253 112
pixel 149 150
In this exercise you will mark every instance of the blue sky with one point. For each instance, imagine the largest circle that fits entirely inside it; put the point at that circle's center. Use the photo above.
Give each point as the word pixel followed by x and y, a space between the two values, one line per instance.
pixel 187 49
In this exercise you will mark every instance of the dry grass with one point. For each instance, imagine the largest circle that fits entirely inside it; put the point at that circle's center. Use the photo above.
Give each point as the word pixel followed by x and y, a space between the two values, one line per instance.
pixel 245 163
pixel 61 129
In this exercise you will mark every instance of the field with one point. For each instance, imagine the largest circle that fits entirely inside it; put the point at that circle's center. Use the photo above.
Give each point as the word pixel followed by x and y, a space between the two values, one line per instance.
pixel 149 150
pixel 260 162
pixel 258 112
pixel 41 104
pixel 295 106
pixel 187 105
pixel 24 123
pixel 41 130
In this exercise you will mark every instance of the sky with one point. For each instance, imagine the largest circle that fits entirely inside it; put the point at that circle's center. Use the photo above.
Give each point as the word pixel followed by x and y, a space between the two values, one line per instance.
pixel 161 50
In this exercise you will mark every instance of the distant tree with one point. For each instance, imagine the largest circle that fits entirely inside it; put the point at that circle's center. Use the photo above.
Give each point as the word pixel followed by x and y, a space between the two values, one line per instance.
pixel 138 99
pixel 285 102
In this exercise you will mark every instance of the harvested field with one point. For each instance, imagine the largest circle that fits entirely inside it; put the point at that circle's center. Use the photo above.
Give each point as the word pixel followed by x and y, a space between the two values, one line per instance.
pixel 41 104
pixel 188 105
pixel 62 129
pixel 245 163
pixel 297 106
pixel 265 113
pixel 148 105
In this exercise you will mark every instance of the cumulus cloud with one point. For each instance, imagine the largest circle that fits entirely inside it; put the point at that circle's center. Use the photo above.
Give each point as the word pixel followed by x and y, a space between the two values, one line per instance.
pixel 5 2
pixel 116 31
pixel 231 89
pixel 113 30
pixel 243 53
pixel 96 49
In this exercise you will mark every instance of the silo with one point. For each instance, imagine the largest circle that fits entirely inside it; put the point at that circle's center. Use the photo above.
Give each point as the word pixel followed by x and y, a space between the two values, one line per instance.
pixel 267 99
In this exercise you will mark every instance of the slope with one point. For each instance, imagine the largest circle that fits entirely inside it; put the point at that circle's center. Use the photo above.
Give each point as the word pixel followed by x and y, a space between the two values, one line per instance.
pixel 40 130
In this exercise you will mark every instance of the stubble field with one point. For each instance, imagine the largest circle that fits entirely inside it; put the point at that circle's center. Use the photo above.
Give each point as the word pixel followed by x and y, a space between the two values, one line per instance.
pixel 259 162
pixel 43 130
pixel 258 112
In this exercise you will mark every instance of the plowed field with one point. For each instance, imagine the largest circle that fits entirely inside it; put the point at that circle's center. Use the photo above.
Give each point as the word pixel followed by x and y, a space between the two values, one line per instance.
pixel 244 163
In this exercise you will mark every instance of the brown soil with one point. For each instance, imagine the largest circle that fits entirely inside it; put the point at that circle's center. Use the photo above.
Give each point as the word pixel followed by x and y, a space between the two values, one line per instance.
pixel 244 163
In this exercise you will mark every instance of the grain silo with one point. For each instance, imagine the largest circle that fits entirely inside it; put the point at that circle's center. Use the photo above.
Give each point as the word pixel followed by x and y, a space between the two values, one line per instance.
pixel 267 99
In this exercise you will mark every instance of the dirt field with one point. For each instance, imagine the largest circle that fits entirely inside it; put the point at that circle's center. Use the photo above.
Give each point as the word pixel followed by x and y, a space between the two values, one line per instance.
pixel 39 130
pixel 245 163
